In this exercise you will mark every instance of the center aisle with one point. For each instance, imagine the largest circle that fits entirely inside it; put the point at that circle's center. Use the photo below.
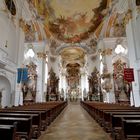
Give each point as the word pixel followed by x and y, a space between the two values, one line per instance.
pixel 74 124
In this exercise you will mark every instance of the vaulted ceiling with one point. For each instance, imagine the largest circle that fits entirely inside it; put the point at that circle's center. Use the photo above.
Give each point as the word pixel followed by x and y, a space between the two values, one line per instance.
pixel 72 27
pixel 68 23
pixel 71 20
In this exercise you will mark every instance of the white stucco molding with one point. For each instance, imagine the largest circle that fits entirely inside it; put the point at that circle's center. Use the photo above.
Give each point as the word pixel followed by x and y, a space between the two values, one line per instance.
pixel 6 63
pixel 111 42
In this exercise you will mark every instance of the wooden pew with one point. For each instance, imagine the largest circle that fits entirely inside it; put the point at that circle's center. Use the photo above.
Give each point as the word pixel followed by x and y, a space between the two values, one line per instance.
pixel 24 126
pixel 116 124
pixel 53 109
pixel 98 110
pixel 36 121
pixel 110 115
pixel 47 111
pixel 42 115
pixel 106 121
pixel 102 112
pixel 8 132
pixel 131 129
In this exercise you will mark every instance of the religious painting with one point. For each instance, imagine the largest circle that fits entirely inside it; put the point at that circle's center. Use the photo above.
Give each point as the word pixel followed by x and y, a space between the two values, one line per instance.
pixel 69 22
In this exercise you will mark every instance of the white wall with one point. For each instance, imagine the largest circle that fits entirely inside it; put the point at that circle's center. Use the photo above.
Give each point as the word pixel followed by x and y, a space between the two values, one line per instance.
pixel 133 34
pixel 54 65
pixel 10 32
pixel 63 84
pixel 134 62
pixel 91 64
pixel 7 81
pixel 84 85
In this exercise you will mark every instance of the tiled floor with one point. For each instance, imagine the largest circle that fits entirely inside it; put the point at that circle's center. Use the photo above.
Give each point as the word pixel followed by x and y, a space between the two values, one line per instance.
pixel 74 124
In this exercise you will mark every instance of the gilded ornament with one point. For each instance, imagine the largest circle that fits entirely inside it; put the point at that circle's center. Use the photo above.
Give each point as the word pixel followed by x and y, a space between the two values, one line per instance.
pixel 128 16
pixel 41 55
pixel 104 52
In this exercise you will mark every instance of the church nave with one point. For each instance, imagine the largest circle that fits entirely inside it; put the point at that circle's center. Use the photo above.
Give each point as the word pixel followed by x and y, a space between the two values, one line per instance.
pixel 70 69
pixel 74 123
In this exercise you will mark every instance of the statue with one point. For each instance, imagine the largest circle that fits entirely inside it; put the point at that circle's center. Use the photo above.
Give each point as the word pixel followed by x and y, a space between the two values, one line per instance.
pixel 32 80
pixel 106 84
pixel 29 96
pixel 1 96
pixel 94 85
pixel 24 90
pixel 84 94
pixel 62 95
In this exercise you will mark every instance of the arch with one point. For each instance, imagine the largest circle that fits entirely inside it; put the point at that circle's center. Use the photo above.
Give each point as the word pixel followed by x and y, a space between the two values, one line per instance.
pixel 122 57
pixel 5 88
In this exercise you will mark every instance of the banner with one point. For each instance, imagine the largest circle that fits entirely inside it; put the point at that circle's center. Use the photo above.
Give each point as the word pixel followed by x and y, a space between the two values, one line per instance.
pixel 128 74
pixel 22 75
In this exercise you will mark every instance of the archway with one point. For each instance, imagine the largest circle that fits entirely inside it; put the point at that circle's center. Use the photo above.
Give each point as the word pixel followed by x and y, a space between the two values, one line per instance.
pixel 5 88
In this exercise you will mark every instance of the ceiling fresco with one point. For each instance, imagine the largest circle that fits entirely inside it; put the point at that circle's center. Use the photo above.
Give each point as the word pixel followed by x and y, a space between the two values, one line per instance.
pixel 71 20
pixel 72 29
pixel 72 55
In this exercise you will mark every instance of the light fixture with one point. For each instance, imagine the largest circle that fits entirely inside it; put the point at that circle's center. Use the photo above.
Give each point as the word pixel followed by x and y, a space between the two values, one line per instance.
pixel 30 52
pixel 119 49
pixel 101 57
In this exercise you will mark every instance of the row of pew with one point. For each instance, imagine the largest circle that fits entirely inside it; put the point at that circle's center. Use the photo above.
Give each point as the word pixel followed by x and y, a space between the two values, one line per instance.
pixel 121 121
pixel 27 121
